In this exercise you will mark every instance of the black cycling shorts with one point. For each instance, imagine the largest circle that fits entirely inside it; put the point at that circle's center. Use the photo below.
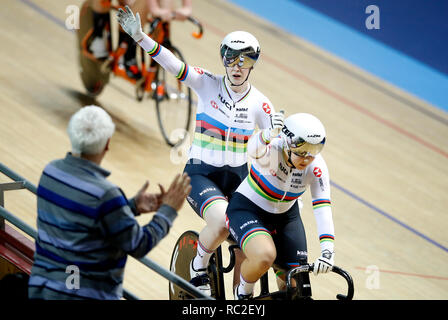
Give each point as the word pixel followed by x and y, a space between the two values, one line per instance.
pixel 245 219
pixel 210 184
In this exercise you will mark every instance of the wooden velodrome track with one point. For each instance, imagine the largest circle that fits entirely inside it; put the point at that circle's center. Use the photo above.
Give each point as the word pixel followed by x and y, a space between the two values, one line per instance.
pixel 387 151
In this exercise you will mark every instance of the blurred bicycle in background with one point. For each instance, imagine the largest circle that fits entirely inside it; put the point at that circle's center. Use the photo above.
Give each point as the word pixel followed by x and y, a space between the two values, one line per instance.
pixel 172 98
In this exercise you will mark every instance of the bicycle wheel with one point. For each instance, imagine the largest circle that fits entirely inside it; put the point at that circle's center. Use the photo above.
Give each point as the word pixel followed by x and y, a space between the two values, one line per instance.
pixel 93 76
pixel 173 104
pixel 184 251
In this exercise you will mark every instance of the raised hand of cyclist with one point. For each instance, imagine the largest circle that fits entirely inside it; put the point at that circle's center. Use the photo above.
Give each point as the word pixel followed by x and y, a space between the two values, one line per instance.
pixel 278 143
pixel 277 119
pixel 131 24
pixel 324 263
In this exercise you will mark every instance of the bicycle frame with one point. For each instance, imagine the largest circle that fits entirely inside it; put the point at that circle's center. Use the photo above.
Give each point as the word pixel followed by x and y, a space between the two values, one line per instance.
pixel 172 99
pixel 159 32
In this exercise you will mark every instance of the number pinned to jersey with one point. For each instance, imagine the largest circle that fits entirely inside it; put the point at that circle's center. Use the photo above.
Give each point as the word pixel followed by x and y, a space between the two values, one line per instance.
pixel 266 108
pixel 317 172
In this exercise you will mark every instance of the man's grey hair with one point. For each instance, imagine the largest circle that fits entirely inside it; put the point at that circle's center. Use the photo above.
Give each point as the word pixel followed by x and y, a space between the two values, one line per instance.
pixel 89 129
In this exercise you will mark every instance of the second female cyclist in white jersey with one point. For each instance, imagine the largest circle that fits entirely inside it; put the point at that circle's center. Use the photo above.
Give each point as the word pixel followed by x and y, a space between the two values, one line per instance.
pixel 228 111
pixel 264 216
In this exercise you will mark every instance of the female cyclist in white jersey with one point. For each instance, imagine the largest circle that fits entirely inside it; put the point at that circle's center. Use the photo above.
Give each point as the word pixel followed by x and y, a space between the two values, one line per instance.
pixel 263 215
pixel 228 110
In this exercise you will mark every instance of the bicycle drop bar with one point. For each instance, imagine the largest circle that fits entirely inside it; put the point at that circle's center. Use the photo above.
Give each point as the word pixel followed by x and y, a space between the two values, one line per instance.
pixel 304 268
pixel 197 35
pixel 348 278
pixel 335 269
pixel 232 258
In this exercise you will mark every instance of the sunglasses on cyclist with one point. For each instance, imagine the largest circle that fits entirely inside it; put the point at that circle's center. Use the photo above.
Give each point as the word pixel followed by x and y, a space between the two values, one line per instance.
pixel 304 149
pixel 245 58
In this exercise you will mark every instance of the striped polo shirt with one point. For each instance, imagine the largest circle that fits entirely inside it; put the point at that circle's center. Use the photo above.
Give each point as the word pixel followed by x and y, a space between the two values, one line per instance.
pixel 86 227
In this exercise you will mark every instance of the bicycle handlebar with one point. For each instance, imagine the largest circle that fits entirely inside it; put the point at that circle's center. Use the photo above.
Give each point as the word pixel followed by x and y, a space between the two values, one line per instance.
pixel 196 35
pixel 348 278
pixel 335 269
pixel 304 268
pixel 156 21
pixel 232 258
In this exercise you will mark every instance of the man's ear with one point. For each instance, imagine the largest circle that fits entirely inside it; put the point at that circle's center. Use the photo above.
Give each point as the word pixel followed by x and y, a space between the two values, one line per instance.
pixel 107 145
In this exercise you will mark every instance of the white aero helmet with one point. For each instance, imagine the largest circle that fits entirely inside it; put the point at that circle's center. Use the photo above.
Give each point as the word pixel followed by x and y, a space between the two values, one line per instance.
pixel 305 134
pixel 240 47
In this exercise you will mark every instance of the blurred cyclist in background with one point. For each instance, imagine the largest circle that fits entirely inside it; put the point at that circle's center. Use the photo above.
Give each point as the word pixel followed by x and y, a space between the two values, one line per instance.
pixel 164 9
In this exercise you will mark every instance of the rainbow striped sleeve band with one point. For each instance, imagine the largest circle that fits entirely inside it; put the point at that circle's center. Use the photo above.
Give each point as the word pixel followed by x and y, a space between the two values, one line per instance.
pixel 155 51
pixel 319 203
pixel 182 75
pixel 326 237
pixel 263 138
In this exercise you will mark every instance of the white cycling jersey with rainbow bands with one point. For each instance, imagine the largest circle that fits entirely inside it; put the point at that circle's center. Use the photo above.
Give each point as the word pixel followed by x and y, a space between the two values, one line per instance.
pixel 225 120
pixel 275 187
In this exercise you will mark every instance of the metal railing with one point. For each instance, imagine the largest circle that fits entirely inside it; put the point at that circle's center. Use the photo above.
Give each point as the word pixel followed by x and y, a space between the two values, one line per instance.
pixel 21 183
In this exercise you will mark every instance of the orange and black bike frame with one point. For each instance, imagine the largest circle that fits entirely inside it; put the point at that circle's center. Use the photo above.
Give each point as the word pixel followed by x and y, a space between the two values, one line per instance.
pixel 159 32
